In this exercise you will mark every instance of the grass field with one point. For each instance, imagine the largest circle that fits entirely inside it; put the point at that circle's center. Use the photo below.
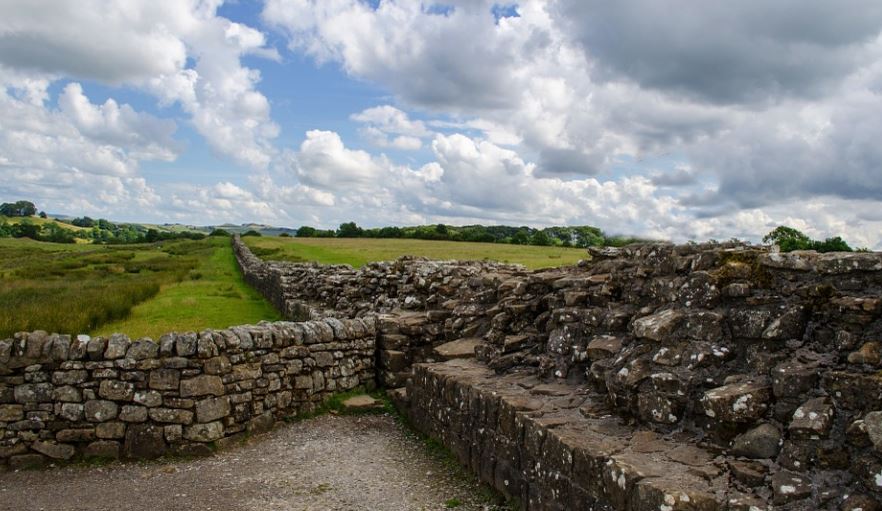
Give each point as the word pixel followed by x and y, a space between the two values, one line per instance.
pixel 359 251
pixel 140 290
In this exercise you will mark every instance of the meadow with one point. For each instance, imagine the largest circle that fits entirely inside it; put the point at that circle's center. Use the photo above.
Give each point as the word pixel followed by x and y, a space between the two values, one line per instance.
pixel 359 251
pixel 140 290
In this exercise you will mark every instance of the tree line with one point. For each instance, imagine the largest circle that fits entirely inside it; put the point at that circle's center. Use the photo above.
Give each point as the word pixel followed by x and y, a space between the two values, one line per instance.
pixel 576 236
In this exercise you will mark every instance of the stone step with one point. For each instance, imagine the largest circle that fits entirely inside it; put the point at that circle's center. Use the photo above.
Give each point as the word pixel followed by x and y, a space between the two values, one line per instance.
pixel 556 447
pixel 460 348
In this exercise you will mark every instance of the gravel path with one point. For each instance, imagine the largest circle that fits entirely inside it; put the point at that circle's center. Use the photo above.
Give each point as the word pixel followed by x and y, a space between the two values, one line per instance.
pixel 327 463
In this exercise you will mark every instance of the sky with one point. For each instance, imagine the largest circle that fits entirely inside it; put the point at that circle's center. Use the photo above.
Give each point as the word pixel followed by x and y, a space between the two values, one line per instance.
pixel 668 119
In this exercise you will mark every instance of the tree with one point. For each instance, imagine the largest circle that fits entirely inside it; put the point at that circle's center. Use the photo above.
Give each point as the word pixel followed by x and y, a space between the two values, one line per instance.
pixel 43 214
pixel 349 230
pixel 219 232
pixel 18 208
pixel 251 232
pixel 306 232
pixel 540 238
pixel 284 235
pixel 788 239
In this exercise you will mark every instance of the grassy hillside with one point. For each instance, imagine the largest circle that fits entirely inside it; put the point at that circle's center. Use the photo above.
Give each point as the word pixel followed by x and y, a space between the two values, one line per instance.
pixel 39 221
pixel 359 251
pixel 180 285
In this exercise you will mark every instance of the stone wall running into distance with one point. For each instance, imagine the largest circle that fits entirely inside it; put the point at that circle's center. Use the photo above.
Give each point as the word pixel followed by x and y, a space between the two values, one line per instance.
pixel 652 377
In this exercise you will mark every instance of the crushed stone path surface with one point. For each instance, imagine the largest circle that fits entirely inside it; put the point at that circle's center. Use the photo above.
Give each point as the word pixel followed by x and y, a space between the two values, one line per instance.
pixel 326 463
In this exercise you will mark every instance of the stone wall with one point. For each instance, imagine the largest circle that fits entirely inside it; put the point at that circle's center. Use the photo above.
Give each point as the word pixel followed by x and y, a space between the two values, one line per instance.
pixel 764 366
pixel 64 398
pixel 420 304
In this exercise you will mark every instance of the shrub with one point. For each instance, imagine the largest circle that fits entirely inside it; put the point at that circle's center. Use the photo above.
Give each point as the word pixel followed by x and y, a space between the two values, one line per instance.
pixel 251 232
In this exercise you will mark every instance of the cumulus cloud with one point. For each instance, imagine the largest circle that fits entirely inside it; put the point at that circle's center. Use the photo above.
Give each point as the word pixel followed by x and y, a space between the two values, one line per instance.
pixel 387 126
pixel 180 51
pixel 82 152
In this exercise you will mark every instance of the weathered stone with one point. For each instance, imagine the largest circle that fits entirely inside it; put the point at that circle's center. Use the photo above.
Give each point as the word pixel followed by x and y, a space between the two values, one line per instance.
pixel 75 435
pixel 69 377
pixel 148 398
pixel 604 346
pixel 362 402
pixel 10 413
pixel 212 408
pixel 144 441
pixel 116 390
pixel 142 350
pixel 117 346
pixel 102 449
pixel 71 411
pixel 186 344
pixel 164 379
pixel 460 348
pixel 788 487
pixel 202 386
pixel 100 411
pixel 659 326
pixel 33 393
pixel 762 441
pixel 207 432
pixel 110 430
pixel 53 450
pixel 737 402
pixel 870 353
pixel 173 415
pixel 130 413
pixel 812 419
pixel 218 365
pixel 860 503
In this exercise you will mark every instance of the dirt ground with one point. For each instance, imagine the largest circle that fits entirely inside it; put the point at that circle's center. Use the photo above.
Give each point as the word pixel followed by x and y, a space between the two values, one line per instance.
pixel 327 463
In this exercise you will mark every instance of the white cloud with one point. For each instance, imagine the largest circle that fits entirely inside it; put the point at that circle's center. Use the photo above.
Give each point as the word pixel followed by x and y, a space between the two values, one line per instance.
pixel 82 152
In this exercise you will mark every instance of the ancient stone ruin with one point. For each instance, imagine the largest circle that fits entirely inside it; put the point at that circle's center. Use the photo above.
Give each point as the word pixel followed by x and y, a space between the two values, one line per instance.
pixel 652 377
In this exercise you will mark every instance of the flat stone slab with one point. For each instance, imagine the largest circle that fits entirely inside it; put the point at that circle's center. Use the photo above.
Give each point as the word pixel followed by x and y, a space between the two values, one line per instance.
pixel 362 402
pixel 460 348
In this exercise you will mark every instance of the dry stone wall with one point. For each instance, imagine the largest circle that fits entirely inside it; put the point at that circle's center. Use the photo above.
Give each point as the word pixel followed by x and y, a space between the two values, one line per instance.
pixel 751 379
pixel 64 398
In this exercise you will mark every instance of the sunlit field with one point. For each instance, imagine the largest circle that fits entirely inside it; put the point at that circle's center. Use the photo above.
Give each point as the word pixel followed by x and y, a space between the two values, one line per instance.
pixel 359 251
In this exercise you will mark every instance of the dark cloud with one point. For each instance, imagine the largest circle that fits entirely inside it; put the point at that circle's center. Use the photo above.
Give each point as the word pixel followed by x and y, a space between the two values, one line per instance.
pixel 554 161
pixel 725 52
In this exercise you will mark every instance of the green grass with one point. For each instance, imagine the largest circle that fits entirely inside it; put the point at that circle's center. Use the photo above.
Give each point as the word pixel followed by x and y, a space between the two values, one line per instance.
pixel 213 295
pixel 360 251
pixel 140 290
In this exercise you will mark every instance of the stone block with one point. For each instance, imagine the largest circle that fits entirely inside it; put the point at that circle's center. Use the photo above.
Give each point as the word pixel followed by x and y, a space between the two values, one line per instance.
pixel 144 441
pixel 737 402
pixel 102 449
pixel 164 379
pixel 207 432
pixel 202 386
pixel 100 410
pixel 212 408
pixel 115 390
pixel 54 450
pixel 172 415
pixel 132 413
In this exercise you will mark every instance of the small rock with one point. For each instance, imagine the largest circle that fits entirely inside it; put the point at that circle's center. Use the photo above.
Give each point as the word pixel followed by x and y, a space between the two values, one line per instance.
pixel 870 353
pixel 813 418
pixel 762 441
pixel 737 402
pixel 53 450
pixel 788 487
pixel 362 402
